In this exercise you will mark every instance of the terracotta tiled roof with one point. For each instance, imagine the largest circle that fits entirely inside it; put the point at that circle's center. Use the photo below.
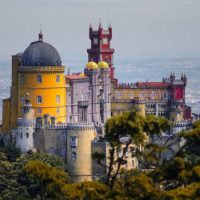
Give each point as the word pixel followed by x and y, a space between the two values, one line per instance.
pixel 152 84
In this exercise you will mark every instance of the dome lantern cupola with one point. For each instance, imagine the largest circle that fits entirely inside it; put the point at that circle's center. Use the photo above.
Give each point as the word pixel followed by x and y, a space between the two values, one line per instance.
pixel 103 65
pixel 91 65
pixel 40 36
pixel 40 53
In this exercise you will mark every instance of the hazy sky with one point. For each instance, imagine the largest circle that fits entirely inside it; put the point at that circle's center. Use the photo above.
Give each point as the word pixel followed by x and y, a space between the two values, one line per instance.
pixel 141 28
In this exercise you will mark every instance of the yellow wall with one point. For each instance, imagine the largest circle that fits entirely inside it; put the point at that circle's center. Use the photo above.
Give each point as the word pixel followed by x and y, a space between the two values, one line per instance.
pixel 14 91
pixel 140 108
pixel 48 89
pixel 6 116
pixel 80 169
pixel 142 94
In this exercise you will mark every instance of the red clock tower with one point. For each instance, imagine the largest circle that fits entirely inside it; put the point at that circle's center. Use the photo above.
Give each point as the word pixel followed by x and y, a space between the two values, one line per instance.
pixel 100 47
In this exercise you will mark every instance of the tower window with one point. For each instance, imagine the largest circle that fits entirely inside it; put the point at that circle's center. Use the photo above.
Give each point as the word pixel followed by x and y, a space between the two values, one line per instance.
pixel 73 141
pixel 22 99
pixel 57 98
pixel 73 155
pixel 22 78
pixel 95 40
pixel 39 99
pixel 105 40
pixel 63 153
pixel 57 79
pixel 39 110
pixel 27 135
pixel 57 110
pixel 39 78
pixel 63 136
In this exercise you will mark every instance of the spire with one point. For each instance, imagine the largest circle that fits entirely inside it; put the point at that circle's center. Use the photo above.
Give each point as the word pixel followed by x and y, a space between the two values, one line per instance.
pixel 90 26
pixel 100 25
pixel 109 25
pixel 40 36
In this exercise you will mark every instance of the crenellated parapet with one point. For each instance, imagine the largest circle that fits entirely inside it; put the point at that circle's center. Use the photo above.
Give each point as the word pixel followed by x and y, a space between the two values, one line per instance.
pixel 81 126
pixel 186 123
pixel 26 122
pixel 38 69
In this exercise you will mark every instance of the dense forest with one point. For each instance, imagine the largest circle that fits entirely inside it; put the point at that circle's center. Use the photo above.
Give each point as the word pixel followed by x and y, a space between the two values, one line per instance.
pixel 44 176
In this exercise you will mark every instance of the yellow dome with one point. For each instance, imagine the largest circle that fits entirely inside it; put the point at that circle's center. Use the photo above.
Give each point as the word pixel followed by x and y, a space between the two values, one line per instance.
pixel 82 75
pixel 92 65
pixel 103 64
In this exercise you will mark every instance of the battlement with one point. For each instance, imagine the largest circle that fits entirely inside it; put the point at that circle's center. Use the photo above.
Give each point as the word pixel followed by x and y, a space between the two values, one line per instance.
pixel 80 126
pixel 127 85
pixel 26 122
pixel 186 123
pixel 176 82
pixel 68 126
pixel 41 68
pixel 166 83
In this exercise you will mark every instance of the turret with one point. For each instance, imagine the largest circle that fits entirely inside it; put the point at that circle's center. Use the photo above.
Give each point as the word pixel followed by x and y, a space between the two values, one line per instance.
pixel 110 31
pixel 92 72
pixel 25 127
pixel 105 91
pixel 184 79
pixel 101 47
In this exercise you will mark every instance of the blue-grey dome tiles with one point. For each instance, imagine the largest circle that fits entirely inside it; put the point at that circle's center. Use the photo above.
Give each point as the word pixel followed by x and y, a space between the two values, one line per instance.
pixel 40 53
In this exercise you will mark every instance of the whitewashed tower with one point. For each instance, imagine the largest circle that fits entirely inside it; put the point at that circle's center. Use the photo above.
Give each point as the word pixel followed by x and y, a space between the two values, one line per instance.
pixel 25 127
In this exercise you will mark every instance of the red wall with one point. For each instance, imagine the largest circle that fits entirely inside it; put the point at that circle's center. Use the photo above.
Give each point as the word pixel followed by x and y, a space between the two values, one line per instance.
pixel 178 93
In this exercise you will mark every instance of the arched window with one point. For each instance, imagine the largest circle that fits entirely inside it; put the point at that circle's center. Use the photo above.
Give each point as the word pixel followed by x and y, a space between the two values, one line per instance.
pixel 73 155
pixel 57 79
pixel 39 99
pixel 39 78
pixel 27 135
pixel 57 98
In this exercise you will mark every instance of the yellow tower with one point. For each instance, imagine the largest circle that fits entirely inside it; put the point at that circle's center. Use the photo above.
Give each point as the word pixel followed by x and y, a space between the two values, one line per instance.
pixel 140 107
pixel 79 151
pixel 39 72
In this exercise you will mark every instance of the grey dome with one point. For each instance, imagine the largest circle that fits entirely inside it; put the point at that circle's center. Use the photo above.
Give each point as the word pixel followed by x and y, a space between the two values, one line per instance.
pixel 40 53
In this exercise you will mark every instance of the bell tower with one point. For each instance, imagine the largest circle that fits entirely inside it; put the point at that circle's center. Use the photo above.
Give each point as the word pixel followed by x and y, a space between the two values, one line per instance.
pixel 101 47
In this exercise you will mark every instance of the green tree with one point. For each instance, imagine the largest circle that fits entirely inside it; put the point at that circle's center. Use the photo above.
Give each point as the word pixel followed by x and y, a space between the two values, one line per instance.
pixel 151 154
pixel 10 188
pixel 128 126
pixel 136 187
pixel 87 191
pixel 45 181
pixel 11 152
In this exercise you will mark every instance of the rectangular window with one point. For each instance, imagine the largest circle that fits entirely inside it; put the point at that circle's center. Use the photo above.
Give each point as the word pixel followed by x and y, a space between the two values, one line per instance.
pixel 22 99
pixel 57 98
pixel 39 78
pixel 73 141
pixel 57 110
pixel 39 99
pixel 22 79
pixel 39 110
pixel 95 41
pixel 105 40
pixel 57 79
pixel 73 155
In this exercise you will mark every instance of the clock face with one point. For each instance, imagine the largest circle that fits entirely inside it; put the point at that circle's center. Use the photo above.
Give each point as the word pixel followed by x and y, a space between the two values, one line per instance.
pixel 105 40
pixel 95 40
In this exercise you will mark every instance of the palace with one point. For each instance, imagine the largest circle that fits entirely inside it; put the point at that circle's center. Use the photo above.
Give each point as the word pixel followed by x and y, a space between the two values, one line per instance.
pixel 51 112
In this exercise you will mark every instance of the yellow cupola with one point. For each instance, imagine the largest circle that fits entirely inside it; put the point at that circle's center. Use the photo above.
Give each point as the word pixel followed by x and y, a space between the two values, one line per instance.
pixel 82 75
pixel 103 65
pixel 91 65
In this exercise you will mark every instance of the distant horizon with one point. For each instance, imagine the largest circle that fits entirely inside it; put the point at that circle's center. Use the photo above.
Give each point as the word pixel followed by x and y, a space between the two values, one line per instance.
pixel 141 28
